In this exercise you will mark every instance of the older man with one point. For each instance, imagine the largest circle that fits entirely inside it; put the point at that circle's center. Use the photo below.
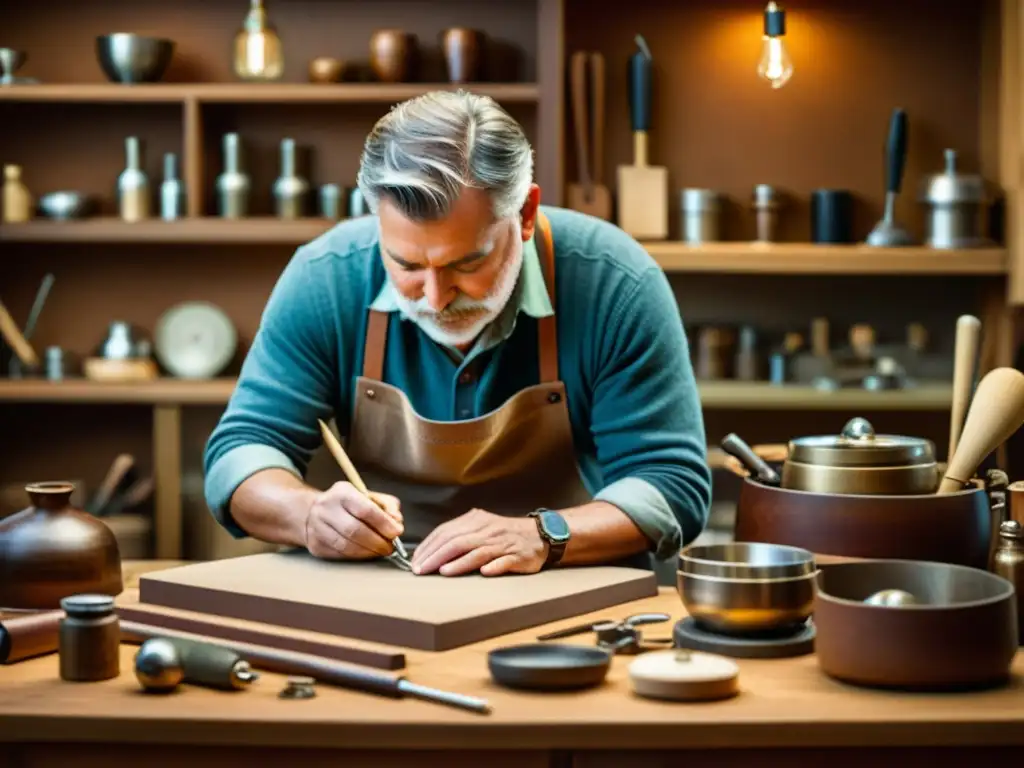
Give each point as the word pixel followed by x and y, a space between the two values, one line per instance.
pixel 511 380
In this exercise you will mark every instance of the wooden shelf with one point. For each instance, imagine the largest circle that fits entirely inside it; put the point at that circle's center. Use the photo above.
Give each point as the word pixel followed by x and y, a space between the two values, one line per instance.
pixel 156 392
pixel 267 230
pixel 813 259
pixel 762 396
pixel 781 258
pixel 714 394
pixel 256 93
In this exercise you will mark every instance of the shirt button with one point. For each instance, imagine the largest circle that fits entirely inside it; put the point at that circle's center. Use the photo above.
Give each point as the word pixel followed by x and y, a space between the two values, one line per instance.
pixel 465 413
pixel 465 377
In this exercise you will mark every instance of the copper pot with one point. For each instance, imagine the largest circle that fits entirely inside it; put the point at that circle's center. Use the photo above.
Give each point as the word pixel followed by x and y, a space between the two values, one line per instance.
pixel 51 550
pixel 392 53
pixel 463 54
pixel 948 528
pixel 324 69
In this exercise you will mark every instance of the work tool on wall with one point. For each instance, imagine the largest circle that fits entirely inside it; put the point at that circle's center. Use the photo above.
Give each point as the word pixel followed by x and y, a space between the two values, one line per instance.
pixel 887 233
pixel 642 188
pixel 589 195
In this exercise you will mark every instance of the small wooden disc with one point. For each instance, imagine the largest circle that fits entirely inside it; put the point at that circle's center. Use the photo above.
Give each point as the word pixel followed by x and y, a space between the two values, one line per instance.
pixel 683 675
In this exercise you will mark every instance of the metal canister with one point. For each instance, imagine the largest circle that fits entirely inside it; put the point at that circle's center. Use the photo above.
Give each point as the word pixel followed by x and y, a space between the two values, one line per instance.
pixel 330 201
pixel 1008 562
pixel 701 212
pixel 766 203
pixel 89 639
pixel 956 206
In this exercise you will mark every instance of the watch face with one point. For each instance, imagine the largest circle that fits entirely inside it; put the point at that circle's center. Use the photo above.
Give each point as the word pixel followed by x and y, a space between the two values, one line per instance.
pixel 554 525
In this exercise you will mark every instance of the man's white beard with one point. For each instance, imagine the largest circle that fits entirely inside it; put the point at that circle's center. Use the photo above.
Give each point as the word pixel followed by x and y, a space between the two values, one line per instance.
pixel 444 328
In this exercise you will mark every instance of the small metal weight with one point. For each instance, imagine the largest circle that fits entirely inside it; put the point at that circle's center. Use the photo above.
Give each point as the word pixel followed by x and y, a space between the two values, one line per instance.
pixel 298 688
pixel 89 639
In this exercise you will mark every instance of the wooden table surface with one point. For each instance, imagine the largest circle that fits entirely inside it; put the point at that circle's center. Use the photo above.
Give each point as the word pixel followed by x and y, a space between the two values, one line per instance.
pixel 784 703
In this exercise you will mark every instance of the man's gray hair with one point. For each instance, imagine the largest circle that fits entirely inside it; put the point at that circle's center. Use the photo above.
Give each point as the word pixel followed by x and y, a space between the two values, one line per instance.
pixel 425 151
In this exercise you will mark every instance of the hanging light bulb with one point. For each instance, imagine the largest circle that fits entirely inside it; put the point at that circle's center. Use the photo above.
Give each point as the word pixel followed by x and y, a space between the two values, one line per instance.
pixel 775 65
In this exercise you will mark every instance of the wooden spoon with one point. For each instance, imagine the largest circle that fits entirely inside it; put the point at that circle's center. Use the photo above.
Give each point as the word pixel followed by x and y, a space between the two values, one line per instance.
pixel 996 412
pixel 968 332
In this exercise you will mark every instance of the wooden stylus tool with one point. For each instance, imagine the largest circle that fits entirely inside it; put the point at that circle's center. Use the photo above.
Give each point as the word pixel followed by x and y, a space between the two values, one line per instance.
pixel 353 477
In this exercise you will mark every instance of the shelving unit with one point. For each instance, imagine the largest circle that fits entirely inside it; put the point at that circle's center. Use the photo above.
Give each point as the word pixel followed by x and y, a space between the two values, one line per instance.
pixel 715 125
pixel 714 394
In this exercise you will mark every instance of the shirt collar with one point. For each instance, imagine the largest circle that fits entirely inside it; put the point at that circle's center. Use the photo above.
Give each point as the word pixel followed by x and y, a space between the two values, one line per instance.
pixel 530 297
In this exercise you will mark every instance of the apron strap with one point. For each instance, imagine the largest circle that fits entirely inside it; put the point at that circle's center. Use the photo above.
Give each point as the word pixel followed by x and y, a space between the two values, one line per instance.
pixel 547 330
pixel 376 341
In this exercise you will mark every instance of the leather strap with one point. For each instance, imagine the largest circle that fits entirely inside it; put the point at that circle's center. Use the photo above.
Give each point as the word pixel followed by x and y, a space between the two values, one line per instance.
pixel 547 329
pixel 376 341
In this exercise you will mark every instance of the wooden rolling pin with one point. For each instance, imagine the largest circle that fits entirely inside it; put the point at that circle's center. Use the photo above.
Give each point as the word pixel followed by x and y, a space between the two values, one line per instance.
pixel 968 333
pixel 996 412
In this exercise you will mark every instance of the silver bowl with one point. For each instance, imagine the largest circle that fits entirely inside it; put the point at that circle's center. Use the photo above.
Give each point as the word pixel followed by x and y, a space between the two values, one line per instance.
pixel 62 206
pixel 130 58
pixel 747 560
pixel 732 606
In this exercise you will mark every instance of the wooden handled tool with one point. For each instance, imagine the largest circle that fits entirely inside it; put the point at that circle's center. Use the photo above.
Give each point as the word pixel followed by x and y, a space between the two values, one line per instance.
pixel 968 333
pixel 353 476
pixel 16 340
pixel 589 195
pixel 642 188
pixel 996 412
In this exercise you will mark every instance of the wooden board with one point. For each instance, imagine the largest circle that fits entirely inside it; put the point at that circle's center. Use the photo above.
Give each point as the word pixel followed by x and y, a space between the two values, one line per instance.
pixel 643 201
pixel 258 633
pixel 377 602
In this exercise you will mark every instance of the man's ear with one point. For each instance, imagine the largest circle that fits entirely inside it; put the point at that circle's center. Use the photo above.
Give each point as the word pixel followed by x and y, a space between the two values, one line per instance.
pixel 528 213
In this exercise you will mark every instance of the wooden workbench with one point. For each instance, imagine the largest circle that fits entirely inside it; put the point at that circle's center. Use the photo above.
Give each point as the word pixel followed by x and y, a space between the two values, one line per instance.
pixel 787 711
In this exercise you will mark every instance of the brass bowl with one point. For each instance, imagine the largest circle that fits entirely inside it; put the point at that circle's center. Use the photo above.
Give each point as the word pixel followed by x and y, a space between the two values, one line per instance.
pixel 747 560
pixel 960 632
pixel 324 69
pixel 733 606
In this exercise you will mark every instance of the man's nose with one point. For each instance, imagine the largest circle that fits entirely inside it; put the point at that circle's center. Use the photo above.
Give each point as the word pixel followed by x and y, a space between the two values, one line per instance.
pixel 437 290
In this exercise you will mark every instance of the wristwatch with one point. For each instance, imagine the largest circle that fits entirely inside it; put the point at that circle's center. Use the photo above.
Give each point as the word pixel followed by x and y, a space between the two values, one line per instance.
pixel 554 530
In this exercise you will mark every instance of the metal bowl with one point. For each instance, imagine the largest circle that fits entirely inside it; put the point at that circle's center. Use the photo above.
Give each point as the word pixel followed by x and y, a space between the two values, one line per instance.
pixel 65 205
pixel 747 560
pixel 732 606
pixel 130 58
pixel 960 631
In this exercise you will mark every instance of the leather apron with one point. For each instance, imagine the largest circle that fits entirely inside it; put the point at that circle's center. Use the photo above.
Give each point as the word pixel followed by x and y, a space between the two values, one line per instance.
pixel 510 461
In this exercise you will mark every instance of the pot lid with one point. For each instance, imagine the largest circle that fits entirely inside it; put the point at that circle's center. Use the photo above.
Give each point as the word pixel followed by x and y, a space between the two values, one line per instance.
pixel 858 446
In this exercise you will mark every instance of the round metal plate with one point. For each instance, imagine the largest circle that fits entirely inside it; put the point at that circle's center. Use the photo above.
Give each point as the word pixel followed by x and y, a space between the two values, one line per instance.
pixel 195 340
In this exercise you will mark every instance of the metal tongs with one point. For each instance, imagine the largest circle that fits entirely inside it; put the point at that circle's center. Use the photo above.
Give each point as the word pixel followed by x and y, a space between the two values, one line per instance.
pixel 400 556
pixel 618 636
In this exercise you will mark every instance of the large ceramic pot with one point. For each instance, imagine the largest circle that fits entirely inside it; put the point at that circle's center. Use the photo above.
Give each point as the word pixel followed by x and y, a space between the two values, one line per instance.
pixel 52 550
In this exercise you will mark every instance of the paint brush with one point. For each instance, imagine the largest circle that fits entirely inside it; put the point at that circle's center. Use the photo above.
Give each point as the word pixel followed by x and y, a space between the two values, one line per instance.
pixel 353 477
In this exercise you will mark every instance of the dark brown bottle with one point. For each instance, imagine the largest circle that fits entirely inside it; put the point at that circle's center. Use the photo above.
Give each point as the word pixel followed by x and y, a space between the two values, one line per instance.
pixel 52 550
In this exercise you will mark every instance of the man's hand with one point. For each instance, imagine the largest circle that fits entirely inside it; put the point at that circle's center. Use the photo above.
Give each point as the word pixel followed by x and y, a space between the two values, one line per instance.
pixel 342 524
pixel 483 541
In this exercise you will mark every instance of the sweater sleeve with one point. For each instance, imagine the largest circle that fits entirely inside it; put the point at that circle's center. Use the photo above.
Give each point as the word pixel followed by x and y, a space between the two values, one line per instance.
pixel 647 422
pixel 289 380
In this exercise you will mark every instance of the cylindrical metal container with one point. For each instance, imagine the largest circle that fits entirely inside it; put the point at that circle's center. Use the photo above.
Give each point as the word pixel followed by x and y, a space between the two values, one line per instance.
pixel 831 216
pixel 1008 562
pixel 701 215
pixel 766 203
pixel 89 642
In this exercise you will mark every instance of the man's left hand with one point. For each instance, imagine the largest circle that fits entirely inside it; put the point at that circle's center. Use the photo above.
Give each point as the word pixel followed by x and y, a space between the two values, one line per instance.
pixel 483 541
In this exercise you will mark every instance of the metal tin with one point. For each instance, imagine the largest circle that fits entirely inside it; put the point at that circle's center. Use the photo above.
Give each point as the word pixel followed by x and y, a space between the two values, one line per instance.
pixel 89 639
pixel 701 212
pixel 766 203
pixel 1008 562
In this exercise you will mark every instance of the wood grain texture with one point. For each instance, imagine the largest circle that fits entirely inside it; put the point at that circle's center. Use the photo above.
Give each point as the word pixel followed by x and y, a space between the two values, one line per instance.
pixel 377 602
pixel 259 633
pixel 783 704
